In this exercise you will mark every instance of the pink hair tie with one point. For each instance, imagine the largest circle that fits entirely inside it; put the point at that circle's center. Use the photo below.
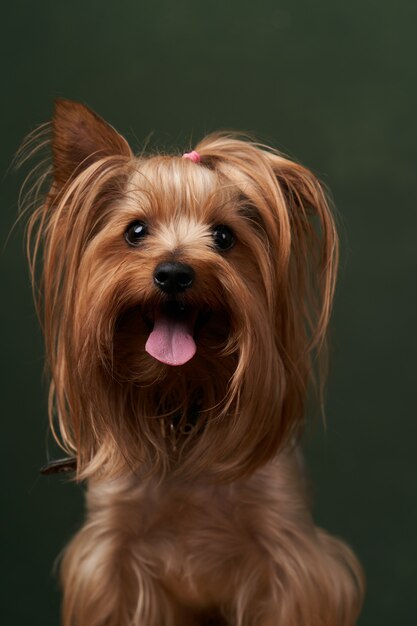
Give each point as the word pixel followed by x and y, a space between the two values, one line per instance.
pixel 193 156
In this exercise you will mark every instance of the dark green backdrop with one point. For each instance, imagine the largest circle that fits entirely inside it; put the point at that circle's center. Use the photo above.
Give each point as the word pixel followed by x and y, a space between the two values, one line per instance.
pixel 330 82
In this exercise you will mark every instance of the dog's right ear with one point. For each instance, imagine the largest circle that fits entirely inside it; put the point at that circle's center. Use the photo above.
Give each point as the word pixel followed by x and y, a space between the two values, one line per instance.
pixel 79 138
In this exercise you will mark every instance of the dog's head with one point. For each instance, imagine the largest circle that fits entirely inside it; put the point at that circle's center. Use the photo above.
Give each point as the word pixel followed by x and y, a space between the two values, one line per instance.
pixel 183 300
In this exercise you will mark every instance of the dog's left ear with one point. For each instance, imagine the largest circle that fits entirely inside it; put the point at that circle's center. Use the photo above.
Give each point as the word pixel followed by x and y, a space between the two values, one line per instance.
pixel 313 240
pixel 291 207
pixel 79 138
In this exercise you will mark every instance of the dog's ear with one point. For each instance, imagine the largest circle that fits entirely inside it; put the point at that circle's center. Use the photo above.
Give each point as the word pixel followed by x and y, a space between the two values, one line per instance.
pixel 80 137
pixel 314 244
pixel 297 219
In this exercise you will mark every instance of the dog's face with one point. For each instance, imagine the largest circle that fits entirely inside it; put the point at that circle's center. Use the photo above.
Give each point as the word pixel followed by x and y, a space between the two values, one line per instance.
pixel 182 300
pixel 174 258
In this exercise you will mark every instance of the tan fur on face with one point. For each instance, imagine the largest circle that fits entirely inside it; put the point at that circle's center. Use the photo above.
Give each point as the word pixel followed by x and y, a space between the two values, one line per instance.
pixel 264 307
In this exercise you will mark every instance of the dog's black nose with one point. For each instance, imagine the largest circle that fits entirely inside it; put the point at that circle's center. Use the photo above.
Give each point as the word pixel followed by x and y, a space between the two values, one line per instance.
pixel 173 277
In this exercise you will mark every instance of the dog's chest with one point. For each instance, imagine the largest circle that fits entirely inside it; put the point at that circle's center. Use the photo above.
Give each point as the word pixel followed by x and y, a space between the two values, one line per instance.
pixel 193 536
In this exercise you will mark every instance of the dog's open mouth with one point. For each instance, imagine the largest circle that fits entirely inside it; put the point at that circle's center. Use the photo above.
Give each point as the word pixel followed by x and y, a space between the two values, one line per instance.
pixel 172 338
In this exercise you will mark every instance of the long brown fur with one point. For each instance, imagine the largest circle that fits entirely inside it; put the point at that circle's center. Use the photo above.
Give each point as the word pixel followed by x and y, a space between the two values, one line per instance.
pixel 196 501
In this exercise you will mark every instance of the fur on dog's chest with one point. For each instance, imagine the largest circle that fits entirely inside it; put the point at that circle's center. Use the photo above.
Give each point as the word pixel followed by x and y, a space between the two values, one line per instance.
pixel 194 537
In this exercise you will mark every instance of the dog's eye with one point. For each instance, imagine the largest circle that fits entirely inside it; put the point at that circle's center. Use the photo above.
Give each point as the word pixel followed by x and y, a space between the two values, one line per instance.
pixel 135 232
pixel 223 237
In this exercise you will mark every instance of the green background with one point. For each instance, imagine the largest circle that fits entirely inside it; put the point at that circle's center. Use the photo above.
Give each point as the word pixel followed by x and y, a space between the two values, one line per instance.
pixel 331 82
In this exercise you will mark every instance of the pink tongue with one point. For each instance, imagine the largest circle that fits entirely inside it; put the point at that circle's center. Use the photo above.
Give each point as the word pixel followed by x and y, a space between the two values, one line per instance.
pixel 171 340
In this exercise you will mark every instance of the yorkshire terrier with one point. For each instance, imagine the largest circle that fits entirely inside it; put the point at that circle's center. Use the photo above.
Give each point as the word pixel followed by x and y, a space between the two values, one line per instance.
pixel 184 301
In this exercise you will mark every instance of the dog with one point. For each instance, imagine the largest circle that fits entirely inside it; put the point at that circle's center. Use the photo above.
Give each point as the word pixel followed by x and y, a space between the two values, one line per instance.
pixel 184 300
